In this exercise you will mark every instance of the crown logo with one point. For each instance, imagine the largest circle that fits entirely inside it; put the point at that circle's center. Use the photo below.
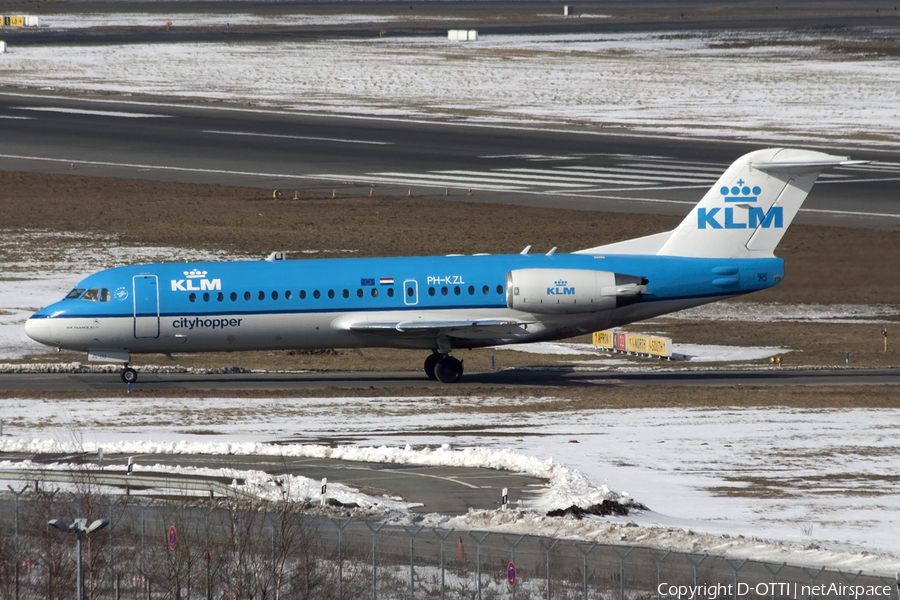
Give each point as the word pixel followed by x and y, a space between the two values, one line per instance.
pixel 560 282
pixel 195 274
pixel 740 192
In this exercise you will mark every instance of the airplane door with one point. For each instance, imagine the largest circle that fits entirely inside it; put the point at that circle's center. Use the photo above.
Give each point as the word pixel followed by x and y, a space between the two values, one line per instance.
pixel 410 292
pixel 146 306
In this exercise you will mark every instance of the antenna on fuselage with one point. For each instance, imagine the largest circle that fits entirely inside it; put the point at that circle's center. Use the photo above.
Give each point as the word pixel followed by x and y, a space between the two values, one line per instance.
pixel 275 256
pixel 527 248
pixel 552 251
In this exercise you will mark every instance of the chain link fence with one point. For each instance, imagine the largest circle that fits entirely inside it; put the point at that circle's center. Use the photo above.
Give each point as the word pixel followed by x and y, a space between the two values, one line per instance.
pixel 235 549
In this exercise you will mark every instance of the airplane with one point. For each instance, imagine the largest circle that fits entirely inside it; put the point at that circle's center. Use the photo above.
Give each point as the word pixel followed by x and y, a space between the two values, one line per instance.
pixel 723 248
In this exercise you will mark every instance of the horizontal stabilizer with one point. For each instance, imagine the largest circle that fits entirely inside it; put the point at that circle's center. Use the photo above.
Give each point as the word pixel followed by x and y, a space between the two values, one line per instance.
pixel 797 167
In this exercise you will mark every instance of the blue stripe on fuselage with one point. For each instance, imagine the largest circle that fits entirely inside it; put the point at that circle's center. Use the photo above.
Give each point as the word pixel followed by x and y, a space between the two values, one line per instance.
pixel 669 278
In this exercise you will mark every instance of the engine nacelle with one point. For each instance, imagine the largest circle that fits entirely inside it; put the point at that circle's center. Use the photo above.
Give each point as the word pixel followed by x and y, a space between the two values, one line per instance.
pixel 562 291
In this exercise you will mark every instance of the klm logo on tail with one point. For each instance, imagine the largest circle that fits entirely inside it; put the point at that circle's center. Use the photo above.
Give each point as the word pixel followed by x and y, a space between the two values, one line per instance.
pixel 745 216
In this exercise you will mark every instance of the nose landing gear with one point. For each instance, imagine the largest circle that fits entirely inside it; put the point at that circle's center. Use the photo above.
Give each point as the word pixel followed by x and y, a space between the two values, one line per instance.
pixel 443 368
pixel 129 375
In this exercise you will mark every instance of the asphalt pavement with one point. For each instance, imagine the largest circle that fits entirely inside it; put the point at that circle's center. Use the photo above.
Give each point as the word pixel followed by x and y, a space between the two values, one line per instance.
pixel 279 149
pixel 511 379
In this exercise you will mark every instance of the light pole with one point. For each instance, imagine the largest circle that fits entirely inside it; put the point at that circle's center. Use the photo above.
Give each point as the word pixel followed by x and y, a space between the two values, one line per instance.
pixel 80 528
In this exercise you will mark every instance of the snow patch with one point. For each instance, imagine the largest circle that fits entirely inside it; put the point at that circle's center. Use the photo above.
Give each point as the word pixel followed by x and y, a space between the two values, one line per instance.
pixel 655 82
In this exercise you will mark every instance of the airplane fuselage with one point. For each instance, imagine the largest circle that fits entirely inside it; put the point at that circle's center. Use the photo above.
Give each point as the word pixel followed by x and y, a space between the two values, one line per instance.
pixel 357 303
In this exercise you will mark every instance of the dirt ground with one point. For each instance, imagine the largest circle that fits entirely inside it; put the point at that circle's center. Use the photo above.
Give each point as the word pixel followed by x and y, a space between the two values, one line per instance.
pixel 824 265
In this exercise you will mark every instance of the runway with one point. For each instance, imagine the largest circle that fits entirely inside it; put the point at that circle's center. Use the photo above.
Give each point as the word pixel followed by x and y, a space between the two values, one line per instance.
pixel 585 169
pixel 510 380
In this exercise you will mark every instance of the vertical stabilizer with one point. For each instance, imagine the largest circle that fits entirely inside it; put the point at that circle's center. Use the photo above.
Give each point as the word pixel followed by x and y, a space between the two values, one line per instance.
pixel 748 210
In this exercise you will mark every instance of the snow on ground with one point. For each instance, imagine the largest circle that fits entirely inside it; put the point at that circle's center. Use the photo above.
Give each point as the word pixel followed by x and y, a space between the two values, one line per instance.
pixel 194 20
pixel 823 479
pixel 782 86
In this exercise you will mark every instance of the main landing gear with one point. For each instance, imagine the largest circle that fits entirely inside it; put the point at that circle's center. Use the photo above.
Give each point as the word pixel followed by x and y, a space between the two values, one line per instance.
pixel 129 375
pixel 443 368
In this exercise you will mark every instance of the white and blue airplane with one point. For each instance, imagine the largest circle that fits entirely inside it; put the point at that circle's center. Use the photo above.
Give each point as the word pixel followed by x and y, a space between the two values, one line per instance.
pixel 723 248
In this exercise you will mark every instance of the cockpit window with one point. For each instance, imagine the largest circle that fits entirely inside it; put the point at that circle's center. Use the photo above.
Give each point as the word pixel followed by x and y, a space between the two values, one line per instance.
pixel 104 295
pixel 76 293
pixel 93 295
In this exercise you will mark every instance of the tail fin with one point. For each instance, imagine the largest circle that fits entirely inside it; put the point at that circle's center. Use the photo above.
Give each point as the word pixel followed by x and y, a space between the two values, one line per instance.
pixel 748 210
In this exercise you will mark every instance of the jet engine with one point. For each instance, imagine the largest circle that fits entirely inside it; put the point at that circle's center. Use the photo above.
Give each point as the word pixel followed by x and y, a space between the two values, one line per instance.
pixel 564 291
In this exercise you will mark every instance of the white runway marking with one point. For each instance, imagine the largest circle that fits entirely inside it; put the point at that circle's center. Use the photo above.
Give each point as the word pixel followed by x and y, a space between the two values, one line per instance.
pixel 100 113
pixel 300 137
pixel 100 163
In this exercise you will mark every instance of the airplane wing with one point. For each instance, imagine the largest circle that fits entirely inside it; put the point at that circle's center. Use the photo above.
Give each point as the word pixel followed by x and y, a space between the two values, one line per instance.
pixel 431 326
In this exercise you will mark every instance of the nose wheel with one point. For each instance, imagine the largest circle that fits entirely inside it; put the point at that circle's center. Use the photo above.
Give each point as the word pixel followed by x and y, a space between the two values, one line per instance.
pixel 129 375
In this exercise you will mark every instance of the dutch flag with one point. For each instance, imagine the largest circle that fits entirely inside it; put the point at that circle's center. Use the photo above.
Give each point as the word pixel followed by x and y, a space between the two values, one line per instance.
pixel 386 281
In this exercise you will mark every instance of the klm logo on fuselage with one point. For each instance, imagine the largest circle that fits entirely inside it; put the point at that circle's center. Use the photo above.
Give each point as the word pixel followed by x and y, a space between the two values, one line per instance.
pixel 560 289
pixel 745 216
pixel 196 281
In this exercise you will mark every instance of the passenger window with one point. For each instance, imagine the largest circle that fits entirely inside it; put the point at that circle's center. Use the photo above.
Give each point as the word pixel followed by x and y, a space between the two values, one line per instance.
pixel 287 295
pixel 104 295
pixel 360 293
pixel 76 293
pixel 261 295
pixel 346 293
pixel 233 296
pixel 206 297
pixel 274 295
pixel 220 296
pixel 471 290
pixel 331 293
pixel 456 290
pixel 444 291
pixel 316 294
pixel 431 291
pixel 247 296
pixel 192 297
pixel 303 294
pixel 92 295
pixel 410 291
pixel 499 289
pixel 391 292
pixel 374 292
pixel 485 290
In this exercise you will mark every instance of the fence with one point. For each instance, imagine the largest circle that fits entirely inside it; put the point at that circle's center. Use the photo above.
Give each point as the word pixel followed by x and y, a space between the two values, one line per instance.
pixel 234 549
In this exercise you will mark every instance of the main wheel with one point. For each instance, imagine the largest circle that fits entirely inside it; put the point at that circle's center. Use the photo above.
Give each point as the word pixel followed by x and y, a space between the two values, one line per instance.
pixel 129 375
pixel 448 370
pixel 430 363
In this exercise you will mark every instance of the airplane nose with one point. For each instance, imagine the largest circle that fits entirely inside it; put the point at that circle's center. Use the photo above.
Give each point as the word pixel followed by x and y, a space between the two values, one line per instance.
pixel 38 330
